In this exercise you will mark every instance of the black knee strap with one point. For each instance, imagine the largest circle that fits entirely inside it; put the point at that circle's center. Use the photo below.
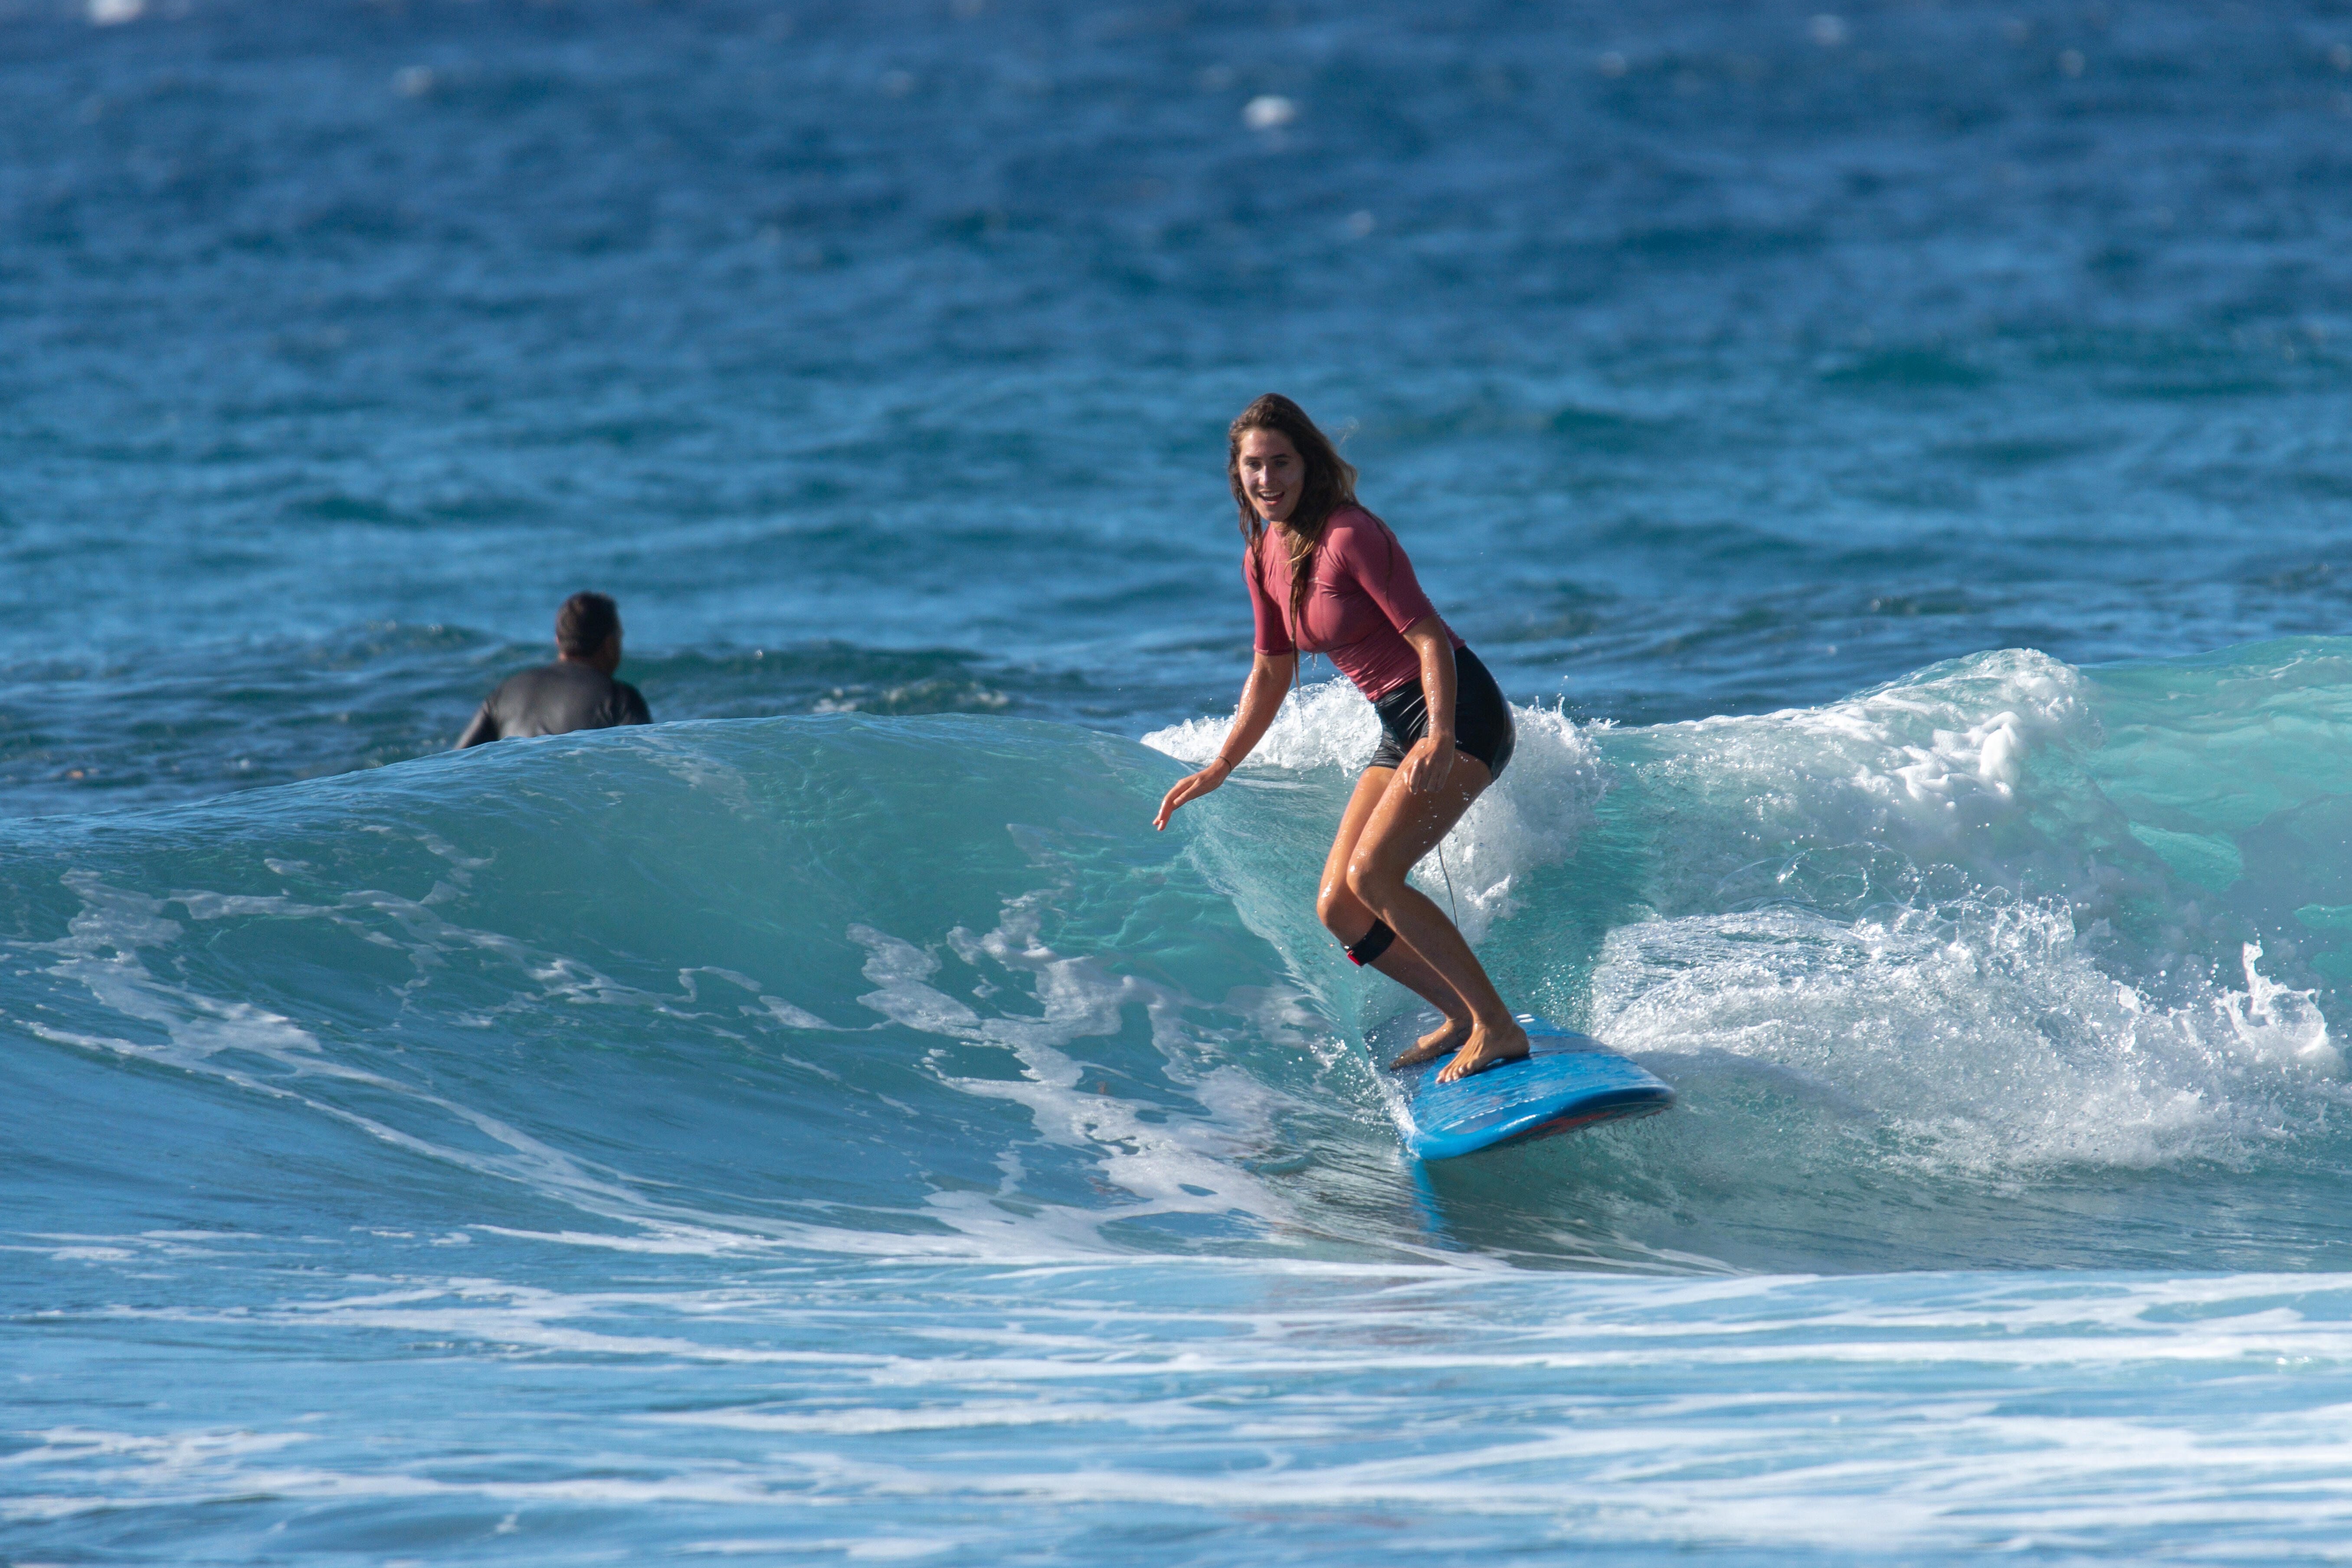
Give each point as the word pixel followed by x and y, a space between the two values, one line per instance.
pixel 1371 945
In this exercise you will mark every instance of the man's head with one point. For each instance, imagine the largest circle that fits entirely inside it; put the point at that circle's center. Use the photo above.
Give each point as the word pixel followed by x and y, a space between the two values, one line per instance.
pixel 588 631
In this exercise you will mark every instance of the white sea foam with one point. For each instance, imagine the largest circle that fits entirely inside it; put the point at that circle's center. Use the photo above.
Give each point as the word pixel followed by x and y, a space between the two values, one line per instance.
pixel 1981 1033
pixel 1837 898
pixel 1923 765
pixel 1326 725
pixel 1331 1403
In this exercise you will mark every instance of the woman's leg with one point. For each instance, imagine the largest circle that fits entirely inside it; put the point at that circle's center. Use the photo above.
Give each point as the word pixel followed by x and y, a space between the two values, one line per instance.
pixel 1401 828
pixel 1347 917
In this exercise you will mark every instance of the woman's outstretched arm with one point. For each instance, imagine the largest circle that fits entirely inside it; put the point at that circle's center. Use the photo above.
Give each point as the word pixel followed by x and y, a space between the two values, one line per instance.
pixel 1269 678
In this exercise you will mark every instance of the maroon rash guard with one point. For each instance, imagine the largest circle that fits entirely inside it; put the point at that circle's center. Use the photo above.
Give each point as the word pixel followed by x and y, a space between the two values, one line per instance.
pixel 1363 597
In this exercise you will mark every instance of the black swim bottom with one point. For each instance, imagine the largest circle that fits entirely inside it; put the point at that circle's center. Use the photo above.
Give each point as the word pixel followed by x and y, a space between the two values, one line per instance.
pixel 1481 720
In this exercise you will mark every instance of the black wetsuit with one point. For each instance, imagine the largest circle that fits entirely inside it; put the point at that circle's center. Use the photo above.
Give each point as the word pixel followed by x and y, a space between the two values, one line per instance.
pixel 555 699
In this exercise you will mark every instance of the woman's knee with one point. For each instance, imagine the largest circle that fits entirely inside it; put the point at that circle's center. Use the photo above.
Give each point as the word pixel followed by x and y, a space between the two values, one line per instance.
pixel 1342 913
pixel 1368 883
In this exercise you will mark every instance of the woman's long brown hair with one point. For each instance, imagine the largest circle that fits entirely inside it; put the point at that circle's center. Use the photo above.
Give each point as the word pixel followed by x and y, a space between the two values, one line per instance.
pixel 1330 484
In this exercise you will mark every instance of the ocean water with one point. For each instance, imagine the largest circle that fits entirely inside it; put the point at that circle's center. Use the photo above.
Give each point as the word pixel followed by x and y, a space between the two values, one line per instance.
pixel 1898 461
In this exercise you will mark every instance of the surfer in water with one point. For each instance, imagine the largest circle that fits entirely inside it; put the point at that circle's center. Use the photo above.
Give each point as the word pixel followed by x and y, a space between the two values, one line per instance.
pixel 576 693
pixel 1328 576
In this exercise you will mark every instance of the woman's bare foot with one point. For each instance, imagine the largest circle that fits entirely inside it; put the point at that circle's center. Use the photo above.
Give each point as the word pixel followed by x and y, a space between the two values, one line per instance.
pixel 1448 1036
pixel 1486 1049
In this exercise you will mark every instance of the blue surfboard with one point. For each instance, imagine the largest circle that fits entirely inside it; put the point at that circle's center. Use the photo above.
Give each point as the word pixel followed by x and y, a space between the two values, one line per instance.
pixel 1568 1081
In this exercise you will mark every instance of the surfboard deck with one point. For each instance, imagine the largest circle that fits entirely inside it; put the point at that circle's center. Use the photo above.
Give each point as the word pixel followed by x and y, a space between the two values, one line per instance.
pixel 1568 1081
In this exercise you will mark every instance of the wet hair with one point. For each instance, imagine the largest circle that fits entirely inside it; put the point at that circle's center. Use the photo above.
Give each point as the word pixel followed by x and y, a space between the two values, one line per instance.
pixel 584 624
pixel 1330 484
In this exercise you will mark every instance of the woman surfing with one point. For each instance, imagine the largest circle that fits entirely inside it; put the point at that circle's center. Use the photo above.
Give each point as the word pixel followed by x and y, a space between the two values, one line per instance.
pixel 1328 576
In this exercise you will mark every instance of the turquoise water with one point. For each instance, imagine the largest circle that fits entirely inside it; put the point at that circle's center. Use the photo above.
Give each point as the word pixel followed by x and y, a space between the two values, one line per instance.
pixel 1894 462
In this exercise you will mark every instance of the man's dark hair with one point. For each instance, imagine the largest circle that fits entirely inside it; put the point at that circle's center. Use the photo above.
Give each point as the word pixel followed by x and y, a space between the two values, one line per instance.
pixel 584 622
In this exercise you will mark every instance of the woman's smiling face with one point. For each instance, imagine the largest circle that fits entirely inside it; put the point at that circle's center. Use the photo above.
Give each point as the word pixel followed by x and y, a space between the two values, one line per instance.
pixel 1272 473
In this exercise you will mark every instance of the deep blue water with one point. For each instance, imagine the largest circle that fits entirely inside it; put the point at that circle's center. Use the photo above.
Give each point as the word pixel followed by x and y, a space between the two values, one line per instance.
pixel 1897 460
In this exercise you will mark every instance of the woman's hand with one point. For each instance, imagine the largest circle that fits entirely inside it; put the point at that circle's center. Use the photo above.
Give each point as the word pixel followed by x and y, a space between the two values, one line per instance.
pixel 1193 786
pixel 1428 766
